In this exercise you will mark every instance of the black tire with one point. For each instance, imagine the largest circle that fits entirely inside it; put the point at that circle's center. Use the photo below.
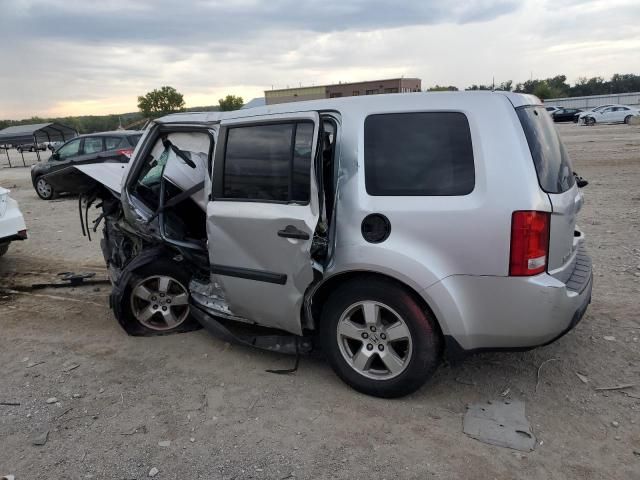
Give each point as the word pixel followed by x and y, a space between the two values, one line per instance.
pixel 590 121
pixel 44 190
pixel 3 249
pixel 420 359
pixel 627 119
pixel 124 311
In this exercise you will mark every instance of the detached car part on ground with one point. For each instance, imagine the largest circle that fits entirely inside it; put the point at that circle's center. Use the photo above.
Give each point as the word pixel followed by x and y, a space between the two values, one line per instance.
pixel 389 230
pixel 12 226
pixel 59 173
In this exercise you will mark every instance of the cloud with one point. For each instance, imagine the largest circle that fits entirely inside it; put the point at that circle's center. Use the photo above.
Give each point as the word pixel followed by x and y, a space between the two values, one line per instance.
pixel 148 21
pixel 74 56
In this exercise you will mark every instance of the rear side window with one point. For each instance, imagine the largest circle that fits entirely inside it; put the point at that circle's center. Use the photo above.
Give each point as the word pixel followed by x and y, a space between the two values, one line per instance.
pixel 426 154
pixel 269 162
pixel 134 139
pixel 93 145
pixel 550 158
pixel 111 143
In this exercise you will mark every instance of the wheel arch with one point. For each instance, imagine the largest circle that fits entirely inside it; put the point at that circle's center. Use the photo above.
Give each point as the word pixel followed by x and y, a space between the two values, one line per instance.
pixel 320 294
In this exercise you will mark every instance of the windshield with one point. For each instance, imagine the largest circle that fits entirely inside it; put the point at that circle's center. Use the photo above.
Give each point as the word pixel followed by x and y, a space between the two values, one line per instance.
pixel 550 158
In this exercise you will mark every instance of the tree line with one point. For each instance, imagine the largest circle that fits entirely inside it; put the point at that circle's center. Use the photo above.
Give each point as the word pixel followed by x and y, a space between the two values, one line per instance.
pixel 557 87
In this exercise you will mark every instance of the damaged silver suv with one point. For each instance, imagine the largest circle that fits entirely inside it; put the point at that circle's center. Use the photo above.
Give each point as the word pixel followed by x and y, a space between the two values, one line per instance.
pixel 388 230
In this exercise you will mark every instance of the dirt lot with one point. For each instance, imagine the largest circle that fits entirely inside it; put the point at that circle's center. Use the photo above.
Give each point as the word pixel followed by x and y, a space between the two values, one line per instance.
pixel 225 417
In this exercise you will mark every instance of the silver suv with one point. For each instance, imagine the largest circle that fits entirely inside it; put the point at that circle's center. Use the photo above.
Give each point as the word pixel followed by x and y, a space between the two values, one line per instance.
pixel 387 230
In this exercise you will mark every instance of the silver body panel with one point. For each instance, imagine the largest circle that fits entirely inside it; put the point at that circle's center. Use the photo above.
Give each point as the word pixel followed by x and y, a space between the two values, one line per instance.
pixel 452 251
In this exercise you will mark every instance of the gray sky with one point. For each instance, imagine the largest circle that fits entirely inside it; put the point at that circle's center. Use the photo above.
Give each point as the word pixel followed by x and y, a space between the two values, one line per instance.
pixel 68 57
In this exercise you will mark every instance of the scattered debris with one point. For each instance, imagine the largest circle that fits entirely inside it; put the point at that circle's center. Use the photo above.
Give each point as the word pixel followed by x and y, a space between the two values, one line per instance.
pixel 615 424
pixel 140 429
pixel 616 387
pixel 51 400
pixel 33 364
pixel 70 367
pixel 192 439
pixel 10 404
pixel 540 368
pixel 502 423
pixel 505 392
pixel 153 472
pixel 40 438
pixel 583 378
pixel 609 338
pixel 76 395
pixel 164 443
pixel 8 477
pixel 465 382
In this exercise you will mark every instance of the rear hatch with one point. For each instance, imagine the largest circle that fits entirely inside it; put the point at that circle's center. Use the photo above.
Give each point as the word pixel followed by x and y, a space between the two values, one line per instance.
pixel 556 179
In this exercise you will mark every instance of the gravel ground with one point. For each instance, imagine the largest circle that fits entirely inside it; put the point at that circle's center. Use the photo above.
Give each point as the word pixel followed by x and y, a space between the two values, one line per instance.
pixel 194 407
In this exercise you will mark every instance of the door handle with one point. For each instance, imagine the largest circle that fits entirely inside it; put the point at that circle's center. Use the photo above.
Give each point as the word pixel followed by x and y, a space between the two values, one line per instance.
pixel 292 232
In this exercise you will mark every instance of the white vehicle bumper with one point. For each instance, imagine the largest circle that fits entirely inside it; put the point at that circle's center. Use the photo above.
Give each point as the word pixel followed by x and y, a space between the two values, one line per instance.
pixel 12 226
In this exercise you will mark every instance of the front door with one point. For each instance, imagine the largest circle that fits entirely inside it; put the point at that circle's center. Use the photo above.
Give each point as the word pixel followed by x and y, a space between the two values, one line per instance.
pixel 263 214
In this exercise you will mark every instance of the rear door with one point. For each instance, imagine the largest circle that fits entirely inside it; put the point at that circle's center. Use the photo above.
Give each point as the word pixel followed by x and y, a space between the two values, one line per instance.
pixel 263 214
pixel 555 176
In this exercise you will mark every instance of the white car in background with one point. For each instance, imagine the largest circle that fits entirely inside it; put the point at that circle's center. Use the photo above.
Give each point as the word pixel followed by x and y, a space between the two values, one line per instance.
pixel 611 114
pixel 12 226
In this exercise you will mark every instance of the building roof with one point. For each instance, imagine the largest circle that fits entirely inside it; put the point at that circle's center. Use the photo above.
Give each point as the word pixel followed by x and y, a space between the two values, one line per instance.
pixel 51 132
pixel 408 79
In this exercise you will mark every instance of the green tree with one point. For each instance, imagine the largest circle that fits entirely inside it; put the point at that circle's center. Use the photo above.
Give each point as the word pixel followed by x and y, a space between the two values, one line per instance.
pixel 543 91
pixel 230 102
pixel 161 102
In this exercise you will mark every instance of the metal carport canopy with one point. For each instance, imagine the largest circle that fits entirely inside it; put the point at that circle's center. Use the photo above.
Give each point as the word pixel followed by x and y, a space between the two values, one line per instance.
pixel 40 132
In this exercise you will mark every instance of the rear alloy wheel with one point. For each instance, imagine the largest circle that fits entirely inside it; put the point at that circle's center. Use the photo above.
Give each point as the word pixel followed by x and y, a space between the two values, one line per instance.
pixel 160 303
pixel 44 190
pixel 378 338
pixel 627 119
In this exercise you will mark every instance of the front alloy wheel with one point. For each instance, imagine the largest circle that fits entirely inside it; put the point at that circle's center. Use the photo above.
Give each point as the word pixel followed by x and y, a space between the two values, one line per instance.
pixel 44 189
pixel 160 303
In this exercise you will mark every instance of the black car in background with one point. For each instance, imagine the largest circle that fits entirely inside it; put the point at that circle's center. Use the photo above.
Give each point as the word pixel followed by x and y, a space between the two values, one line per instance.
pixel 57 175
pixel 565 114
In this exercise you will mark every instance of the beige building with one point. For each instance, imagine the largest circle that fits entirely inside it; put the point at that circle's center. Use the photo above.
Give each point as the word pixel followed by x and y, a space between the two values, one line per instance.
pixel 373 87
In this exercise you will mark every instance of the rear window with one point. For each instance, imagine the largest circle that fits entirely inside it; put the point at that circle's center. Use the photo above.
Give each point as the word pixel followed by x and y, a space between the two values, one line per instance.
pixel 550 158
pixel 426 154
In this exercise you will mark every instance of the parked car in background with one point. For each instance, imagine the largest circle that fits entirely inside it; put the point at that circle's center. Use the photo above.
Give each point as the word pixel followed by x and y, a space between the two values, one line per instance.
pixel 12 226
pixel 300 219
pixel 612 114
pixel 31 147
pixel 551 108
pixel 565 114
pixel 579 118
pixel 53 145
pixel 59 175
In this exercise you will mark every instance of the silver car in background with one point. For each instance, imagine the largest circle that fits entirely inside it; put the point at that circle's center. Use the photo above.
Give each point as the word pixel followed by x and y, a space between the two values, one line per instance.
pixel 388 230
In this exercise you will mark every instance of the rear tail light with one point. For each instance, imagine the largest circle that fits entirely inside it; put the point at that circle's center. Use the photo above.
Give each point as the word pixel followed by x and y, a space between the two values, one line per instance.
pixel 127 152
pixel 529 243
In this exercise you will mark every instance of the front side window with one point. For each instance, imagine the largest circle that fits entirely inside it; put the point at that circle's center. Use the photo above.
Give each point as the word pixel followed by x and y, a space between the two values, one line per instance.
pixel 426 154
pixel 269 162
pixel 92 145
pixel 71 149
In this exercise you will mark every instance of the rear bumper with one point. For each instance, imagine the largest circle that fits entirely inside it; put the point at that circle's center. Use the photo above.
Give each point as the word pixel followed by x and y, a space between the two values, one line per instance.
pixel 12 226
pixel 509 313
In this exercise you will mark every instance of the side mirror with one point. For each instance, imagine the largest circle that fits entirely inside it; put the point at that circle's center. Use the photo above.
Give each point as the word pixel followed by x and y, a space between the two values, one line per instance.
pixel 55 156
